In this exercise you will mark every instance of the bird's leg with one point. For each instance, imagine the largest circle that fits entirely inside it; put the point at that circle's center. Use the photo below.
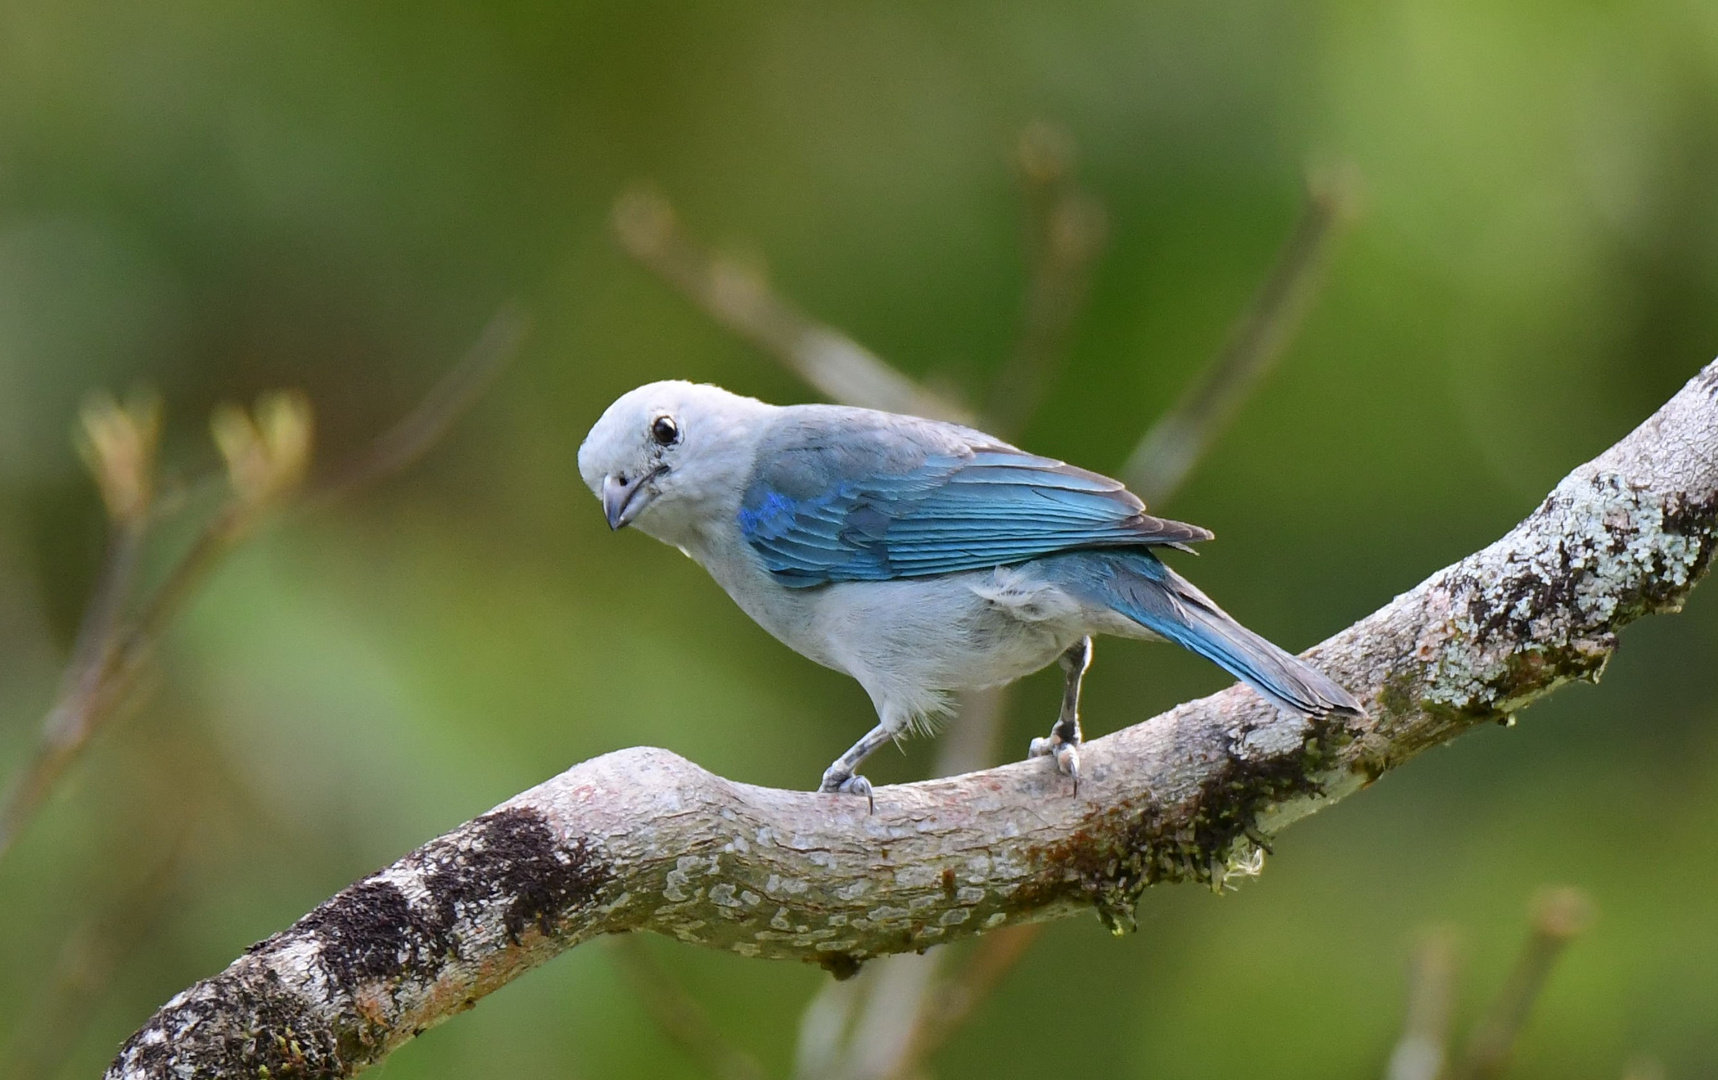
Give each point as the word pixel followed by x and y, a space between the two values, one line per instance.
pixel 841 777
pixel 1063 742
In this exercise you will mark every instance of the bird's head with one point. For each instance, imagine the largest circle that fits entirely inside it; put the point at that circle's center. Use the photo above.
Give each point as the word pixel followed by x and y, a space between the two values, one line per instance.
pixel 668 453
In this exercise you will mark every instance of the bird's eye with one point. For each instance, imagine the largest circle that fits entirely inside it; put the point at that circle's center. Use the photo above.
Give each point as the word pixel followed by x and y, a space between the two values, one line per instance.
pixel 665 431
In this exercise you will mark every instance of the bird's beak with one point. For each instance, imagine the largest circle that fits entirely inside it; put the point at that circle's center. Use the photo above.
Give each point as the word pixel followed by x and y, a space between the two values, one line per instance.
pixel 623 500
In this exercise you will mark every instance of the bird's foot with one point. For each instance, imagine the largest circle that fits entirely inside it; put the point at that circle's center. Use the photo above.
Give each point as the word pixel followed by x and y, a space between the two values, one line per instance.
pixel 839 781
pixel 1065 752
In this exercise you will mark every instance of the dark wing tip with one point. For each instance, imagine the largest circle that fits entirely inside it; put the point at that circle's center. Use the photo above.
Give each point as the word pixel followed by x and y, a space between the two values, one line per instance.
pixel 1156 530
pixel 1334 700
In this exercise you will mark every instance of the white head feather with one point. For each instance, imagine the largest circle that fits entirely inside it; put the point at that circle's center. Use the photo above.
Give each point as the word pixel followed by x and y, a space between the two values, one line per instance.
pixel 671 456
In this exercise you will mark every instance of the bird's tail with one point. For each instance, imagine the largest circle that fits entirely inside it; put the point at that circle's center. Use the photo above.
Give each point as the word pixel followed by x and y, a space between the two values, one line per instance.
pixel 1140 587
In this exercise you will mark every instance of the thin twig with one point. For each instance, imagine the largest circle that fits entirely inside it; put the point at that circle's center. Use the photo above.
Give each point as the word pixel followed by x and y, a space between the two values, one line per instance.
pixel 1066 231
pixel 740 298
pixel 827 1023
pixel 107 603
pixel 680 1017
pixel 1172 447
pixel 448 400
pixel 1424 1046
pixel 957 998
pixel 112 651
pixel 119 444
pixel 1559 916
pixel 77 717
pixel 973 741
pixel 824 1024
pixel 880 1044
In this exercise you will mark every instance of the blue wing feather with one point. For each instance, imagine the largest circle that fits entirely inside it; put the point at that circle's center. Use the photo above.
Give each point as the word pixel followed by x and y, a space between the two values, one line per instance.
pixel 853 495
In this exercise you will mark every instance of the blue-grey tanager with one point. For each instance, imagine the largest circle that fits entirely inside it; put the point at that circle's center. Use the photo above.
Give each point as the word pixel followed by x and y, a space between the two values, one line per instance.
pixel 919 557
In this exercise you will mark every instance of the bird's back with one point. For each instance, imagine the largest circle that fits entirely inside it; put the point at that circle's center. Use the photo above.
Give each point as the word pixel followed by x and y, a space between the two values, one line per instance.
pixel 842 494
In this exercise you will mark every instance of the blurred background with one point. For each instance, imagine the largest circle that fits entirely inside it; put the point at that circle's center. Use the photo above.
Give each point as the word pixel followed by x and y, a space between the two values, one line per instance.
pixel 212 200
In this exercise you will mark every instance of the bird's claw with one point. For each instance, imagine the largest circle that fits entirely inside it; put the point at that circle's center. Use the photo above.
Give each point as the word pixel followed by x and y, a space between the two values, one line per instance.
pixel 841 782
pixel 1066 755
pixel 1068 761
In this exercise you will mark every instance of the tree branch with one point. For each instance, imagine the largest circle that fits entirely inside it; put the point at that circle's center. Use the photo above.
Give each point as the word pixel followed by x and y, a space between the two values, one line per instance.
pixel 642 839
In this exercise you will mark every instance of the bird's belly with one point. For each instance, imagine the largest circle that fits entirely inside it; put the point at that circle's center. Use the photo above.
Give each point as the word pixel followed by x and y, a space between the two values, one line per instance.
pixel 936 633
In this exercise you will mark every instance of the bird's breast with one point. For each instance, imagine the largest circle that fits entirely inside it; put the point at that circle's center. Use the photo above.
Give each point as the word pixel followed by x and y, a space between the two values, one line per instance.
pixel 789 615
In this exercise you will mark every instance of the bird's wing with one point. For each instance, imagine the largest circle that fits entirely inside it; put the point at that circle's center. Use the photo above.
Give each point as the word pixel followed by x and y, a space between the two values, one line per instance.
pixel 852 495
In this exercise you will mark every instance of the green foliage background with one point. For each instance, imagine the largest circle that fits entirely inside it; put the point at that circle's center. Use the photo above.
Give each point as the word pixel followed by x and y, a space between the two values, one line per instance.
pixel 214 199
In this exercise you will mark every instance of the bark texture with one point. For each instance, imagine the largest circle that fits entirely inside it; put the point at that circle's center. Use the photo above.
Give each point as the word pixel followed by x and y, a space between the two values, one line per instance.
pixel 642 839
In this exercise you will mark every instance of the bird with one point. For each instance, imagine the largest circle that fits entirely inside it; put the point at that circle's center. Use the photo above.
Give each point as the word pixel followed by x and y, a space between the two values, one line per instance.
pixel 923 558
